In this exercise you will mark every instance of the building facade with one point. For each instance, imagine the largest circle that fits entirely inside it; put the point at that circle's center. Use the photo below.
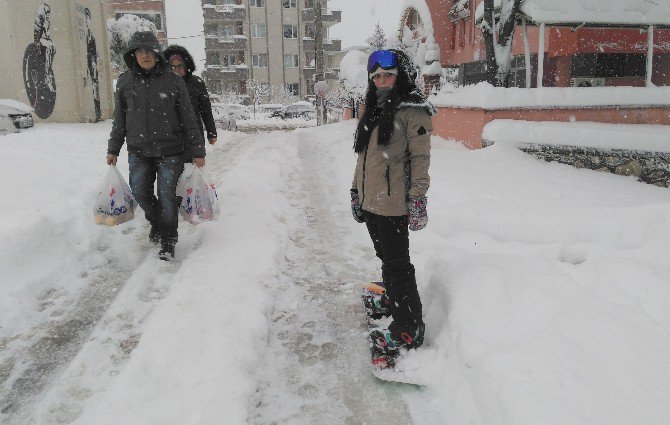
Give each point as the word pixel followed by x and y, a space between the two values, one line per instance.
pixel 151 10
pixel 263 48
pixel 607 48
pixel 56 58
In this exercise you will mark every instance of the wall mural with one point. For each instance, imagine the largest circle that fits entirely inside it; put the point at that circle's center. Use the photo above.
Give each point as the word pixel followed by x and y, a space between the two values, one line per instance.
pixel 38 74
pixel 92 64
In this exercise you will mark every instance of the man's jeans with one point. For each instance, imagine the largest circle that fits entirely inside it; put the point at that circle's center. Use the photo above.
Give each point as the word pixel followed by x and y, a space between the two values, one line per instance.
pixel 160 211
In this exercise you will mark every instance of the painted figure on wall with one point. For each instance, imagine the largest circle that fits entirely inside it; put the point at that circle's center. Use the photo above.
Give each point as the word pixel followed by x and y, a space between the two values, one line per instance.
pixel 92 62
pixel 38 74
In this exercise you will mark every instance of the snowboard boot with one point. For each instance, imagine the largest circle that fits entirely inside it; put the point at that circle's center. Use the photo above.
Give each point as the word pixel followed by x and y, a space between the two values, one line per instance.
pixel 377 305
pixel 390 340
pixel 154 234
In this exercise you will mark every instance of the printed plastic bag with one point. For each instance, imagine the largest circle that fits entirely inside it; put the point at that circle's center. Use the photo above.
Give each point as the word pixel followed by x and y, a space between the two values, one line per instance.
pixel 199 200
pixel 115 203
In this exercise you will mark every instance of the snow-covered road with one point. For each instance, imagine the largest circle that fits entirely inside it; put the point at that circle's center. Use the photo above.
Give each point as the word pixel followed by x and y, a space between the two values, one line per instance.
pixel 545 292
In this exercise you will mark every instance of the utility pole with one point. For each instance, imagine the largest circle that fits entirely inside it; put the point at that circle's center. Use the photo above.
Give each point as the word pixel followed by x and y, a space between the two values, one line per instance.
pixel 318 52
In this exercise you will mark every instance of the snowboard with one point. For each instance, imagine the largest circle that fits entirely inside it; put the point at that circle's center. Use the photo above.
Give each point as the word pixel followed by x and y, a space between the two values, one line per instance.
pixel 387 367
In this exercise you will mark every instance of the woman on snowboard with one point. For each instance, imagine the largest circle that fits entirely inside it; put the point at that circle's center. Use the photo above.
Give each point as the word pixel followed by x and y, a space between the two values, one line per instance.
pixel 388 192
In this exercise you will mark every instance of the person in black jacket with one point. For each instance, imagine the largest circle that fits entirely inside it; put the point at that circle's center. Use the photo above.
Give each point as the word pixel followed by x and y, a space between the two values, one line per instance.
pixel 153 114
pixel 181 62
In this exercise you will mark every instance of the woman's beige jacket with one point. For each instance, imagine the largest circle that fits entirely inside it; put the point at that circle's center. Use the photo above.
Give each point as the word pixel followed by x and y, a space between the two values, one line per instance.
pixel 386 177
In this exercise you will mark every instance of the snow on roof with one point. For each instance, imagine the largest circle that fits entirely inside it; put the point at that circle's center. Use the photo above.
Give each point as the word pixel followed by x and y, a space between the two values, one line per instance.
pixel 606 12
pixel 611 12
pixel 485 96
pixel 637 137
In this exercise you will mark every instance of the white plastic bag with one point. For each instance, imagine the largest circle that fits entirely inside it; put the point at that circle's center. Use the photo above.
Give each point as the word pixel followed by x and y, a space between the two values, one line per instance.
pixel 199 200
pixel 115 203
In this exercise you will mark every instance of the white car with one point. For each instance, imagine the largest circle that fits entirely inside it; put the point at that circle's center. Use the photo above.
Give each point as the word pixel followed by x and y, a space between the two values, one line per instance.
pixel 224 118
pixel 241 112
pixel 14 116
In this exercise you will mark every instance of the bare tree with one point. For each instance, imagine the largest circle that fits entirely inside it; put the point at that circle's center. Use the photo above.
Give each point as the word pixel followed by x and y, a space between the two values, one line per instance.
pixel 498 39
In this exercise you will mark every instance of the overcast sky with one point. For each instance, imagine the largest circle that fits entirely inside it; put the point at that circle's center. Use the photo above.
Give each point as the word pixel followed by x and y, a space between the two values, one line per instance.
pixel 360 16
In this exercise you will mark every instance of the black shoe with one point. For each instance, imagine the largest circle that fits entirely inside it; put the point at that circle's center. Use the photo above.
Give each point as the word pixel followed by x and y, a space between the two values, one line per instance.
pixel 154 234
pixel 167 252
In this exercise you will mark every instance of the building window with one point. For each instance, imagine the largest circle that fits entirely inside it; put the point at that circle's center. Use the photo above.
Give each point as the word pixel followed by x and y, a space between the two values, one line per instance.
pixel 290 31
pixel 310 60
pixel 293 88
pixel 290 4
pixel 309 31
pixel 213 58
pixel 259 31
pixel 211 28
pixel 309 4
pixel 229 59
pixel 256 3
pixel 260 60
pixel 290 61
pixel 154 18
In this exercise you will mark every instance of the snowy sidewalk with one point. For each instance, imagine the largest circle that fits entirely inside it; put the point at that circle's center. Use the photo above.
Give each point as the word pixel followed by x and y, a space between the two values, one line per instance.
pixel 545 291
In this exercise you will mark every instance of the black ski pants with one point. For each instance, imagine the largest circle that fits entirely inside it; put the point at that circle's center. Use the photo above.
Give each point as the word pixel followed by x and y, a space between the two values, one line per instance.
pixel 390 237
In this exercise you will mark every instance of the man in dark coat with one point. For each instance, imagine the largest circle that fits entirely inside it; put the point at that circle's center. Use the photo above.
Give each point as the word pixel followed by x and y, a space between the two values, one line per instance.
pixel 181 62
pixel 153 114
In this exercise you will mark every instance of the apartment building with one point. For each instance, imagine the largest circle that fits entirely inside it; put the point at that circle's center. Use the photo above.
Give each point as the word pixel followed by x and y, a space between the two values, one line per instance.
pixel 151 10
pixel 258 47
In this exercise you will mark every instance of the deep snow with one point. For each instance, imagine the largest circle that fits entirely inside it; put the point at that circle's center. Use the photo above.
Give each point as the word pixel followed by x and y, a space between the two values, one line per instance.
pixel 545 290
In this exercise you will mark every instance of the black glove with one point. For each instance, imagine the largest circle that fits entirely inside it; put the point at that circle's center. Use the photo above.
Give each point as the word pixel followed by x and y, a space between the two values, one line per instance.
pixel 356 209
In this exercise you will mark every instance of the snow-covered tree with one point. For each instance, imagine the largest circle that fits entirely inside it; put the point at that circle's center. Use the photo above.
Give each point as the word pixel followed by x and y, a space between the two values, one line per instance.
pixel 378 40
pixel 353 74
pixel 120 31
pixel 498 39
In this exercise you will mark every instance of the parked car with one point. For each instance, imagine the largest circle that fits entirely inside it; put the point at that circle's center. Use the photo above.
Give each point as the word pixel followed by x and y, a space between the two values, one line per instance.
pixel 14 116
pixel 269 108
pixel 241 112
pixel 224 118
pixel 278 113
pixel 296 110
pixel 299 110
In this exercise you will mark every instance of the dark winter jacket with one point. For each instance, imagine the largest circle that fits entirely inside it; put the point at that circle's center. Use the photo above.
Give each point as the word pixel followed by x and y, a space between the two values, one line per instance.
pixel 202 106
pixel 153 112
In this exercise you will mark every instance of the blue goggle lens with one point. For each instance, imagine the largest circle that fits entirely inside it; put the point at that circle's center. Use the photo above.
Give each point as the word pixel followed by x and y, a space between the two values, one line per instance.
pixel 386 59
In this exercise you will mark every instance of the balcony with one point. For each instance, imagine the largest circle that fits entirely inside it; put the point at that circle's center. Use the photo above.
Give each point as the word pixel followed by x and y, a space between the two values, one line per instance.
pixel 227 73
pixel 328 45
pixel 235 42
pixel 329 17
pixel 225 12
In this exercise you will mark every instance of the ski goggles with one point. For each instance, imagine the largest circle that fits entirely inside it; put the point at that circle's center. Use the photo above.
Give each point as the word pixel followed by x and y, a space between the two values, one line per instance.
pixel 384 59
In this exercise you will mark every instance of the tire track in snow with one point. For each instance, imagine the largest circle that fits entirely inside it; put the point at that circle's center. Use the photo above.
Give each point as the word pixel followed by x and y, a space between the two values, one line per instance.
pixel 317 364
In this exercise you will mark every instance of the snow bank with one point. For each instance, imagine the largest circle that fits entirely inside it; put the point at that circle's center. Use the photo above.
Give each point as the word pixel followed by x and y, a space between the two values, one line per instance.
pixel 485 96
pixel 650 138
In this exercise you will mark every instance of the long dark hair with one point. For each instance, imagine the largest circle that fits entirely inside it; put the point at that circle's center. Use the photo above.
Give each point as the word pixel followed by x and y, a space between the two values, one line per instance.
pixel 404 90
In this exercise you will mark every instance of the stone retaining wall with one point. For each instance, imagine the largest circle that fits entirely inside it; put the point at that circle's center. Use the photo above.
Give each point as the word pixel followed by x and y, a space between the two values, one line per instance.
pixel 648 167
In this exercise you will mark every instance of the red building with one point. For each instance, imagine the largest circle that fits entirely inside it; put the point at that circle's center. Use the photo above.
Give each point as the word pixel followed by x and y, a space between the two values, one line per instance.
pixel 584 44
pixel 151 10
